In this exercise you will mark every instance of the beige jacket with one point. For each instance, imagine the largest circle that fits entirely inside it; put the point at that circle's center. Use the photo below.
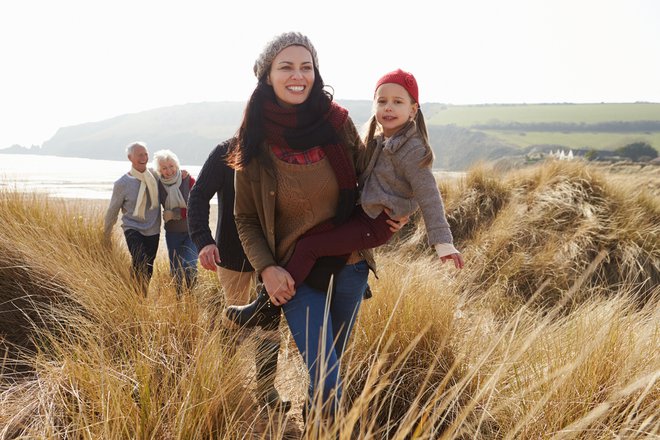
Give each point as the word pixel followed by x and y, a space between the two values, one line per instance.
pixel 254 206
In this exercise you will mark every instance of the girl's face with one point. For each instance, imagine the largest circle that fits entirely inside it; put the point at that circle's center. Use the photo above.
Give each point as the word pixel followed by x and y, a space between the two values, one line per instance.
pixel 167 168
pixel 394 107
pixel 139 158
pixel 292 76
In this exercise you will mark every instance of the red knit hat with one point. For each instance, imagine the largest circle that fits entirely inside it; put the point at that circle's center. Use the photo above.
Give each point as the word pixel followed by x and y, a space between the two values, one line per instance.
pixel 404 79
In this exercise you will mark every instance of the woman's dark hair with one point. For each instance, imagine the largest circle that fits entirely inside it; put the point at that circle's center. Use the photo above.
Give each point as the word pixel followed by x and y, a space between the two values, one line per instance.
pixel 251 133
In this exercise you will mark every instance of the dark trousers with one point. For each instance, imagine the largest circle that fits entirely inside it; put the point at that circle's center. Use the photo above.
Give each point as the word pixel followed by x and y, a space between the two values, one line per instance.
pixel 143 251
pixel 357 233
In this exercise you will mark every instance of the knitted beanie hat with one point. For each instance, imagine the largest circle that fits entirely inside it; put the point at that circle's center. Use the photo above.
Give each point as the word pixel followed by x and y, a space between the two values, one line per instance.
pixel 277 45
pixel 404 79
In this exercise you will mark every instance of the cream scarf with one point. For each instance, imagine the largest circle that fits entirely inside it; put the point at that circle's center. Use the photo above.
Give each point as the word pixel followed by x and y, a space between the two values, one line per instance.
pixel 147 182
pixel 174 198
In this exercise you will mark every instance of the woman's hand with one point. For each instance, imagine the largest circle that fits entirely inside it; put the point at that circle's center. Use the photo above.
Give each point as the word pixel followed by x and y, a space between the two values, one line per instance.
pixel 209 257
pixel 457 258
pixel 396 223
pixel 279 284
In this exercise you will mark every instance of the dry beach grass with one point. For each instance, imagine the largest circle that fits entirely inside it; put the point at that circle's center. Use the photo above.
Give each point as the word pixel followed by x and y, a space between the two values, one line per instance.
pixel 551 331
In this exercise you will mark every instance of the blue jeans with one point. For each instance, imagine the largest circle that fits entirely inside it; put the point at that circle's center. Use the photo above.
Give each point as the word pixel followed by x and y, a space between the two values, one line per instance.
pixel 183 259
pixel 322 347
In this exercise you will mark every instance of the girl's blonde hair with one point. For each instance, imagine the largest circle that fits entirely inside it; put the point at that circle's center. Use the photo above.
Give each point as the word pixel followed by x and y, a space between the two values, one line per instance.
pixel 374 129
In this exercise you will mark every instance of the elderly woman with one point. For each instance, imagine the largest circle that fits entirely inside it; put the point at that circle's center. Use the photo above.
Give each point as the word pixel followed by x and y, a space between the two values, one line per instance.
pixel 173 191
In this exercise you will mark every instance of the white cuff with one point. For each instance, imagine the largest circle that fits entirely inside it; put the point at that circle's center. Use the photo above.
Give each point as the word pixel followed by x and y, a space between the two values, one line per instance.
pixel 444 249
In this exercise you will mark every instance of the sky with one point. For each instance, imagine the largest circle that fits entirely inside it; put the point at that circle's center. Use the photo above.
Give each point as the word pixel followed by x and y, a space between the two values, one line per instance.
pixel 68 62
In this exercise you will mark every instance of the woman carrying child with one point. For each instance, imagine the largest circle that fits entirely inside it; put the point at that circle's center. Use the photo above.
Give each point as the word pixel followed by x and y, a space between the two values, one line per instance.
pixel 397 182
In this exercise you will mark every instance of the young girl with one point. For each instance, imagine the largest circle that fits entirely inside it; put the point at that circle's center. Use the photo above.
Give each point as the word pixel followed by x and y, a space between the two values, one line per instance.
pixel 173 191
pixel 397 181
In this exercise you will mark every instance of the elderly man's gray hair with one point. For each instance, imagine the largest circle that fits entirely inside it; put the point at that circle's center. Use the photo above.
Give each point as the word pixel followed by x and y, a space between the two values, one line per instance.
pixel 131 147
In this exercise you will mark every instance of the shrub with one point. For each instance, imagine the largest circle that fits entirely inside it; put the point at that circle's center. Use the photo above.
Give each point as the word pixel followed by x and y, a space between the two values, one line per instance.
pixel 637 150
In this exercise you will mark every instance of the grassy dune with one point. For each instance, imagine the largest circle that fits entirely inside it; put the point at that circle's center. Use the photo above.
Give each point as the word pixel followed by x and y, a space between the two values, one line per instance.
pixel 551 331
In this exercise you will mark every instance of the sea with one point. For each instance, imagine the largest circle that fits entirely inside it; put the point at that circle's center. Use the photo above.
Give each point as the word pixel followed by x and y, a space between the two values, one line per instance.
pixel 65 177
pixel 78 178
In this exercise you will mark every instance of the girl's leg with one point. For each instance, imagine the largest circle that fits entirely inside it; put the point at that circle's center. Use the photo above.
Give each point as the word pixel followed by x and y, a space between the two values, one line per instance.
pixel 359 232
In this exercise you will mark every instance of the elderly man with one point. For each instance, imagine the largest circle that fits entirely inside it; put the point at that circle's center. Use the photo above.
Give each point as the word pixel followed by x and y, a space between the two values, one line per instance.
pixel 136 195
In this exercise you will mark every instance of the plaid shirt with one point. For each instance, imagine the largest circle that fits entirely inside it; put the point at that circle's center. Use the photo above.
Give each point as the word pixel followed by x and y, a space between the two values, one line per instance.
pixel 298 157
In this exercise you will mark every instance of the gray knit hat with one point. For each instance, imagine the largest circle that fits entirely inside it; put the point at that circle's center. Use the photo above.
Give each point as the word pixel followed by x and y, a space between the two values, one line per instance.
pixel 277 45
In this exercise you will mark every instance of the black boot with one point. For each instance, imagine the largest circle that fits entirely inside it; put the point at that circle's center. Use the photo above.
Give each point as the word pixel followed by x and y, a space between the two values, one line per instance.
pixel 266 363
pixel 260 312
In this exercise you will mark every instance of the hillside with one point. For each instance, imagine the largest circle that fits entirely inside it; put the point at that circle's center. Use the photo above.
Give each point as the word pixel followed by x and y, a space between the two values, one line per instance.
pixel 191 130
pixel 460 135
pixel 604 126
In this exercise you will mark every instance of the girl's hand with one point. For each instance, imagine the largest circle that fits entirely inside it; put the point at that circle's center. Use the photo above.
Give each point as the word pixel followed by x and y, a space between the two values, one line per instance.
pixel 458 260
pixel 396 223
pixel 279 284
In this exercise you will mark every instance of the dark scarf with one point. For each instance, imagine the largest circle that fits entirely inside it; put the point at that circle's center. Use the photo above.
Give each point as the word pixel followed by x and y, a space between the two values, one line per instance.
pixel 301 128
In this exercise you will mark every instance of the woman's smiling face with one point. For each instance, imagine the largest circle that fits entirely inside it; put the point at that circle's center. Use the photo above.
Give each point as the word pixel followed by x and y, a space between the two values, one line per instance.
pixel 167 168
pixel 292 75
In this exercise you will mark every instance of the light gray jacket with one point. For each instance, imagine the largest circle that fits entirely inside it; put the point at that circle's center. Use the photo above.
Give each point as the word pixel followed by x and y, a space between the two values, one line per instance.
pixel 124 197
pixel 399 182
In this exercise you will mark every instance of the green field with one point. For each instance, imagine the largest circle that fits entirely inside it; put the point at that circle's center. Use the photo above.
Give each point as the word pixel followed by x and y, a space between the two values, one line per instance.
pixel 469 116
pixel 599 141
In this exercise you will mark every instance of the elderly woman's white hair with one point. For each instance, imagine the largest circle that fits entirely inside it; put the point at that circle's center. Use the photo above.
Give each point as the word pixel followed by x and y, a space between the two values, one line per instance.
pixel 163 155
pixel 131 147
